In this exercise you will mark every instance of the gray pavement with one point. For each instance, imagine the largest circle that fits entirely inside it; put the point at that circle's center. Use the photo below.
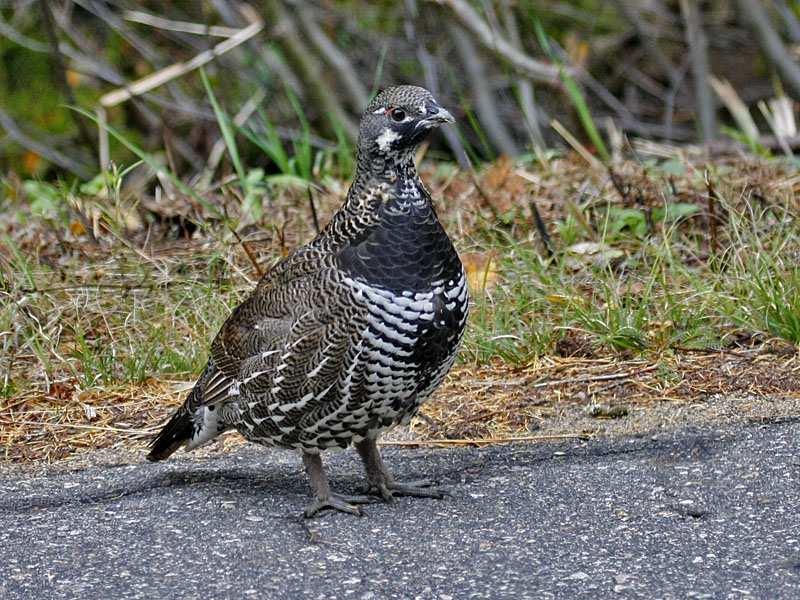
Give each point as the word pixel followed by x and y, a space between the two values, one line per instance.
pixel 687 514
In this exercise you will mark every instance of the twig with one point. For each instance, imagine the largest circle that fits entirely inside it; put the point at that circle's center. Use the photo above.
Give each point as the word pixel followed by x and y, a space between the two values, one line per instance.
pixel 313 209
pixel 502 440
pixel 503 382
pixel 137 16
pixel 154 80
pixel 88 427
pixel 165 75
pixel 487 200
pixel 576 145
pixel 724 146
pixel 534 69
pixel 542 229
pixel 629 374
pixel 712 213
pixel 713 351
pixel 698 57
pixel 249 252
pixel 481 416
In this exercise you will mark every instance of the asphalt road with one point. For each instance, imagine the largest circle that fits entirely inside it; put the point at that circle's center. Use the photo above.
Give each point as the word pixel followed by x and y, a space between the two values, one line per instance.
pixel 689 514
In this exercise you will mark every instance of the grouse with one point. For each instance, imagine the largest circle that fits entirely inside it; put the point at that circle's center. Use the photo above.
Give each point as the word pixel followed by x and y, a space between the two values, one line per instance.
pixel 347 336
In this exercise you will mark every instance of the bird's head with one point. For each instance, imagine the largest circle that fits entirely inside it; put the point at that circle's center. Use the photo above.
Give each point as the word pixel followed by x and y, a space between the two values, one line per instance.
pixel 397 120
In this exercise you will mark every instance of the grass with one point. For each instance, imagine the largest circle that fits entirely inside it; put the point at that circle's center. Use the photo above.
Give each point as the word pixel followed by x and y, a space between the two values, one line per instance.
pixel 123 305
pixel 103 303
pixel 624 281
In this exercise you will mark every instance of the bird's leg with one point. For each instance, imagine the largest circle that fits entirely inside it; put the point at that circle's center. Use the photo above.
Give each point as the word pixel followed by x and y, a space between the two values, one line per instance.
pixel 380 478
pixel 323 497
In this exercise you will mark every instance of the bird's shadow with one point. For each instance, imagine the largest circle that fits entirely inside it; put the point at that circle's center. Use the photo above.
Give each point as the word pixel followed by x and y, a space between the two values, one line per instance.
pixel 280 481
pixel 275 480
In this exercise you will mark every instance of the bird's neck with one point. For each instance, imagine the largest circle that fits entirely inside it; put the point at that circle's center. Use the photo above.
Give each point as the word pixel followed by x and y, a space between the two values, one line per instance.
pixel 393 177
pixel 386 167
pixel 388 234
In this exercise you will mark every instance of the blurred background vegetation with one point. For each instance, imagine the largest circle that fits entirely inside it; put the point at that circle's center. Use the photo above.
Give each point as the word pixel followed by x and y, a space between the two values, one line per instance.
pixel 621 184
pixel 291 72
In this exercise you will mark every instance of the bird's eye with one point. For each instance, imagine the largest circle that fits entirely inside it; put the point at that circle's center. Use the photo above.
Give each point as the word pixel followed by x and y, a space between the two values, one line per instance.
pixel 397 114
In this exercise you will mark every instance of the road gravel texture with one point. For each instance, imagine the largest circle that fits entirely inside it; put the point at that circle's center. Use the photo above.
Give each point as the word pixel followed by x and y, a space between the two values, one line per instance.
pixel 684 514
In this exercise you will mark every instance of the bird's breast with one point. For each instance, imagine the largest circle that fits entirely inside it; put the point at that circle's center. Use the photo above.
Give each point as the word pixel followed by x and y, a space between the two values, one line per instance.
pixel 407 251
pixel 412 337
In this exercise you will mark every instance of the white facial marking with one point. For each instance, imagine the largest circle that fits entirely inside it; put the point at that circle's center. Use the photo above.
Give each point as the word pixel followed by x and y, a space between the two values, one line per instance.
pixel 385 139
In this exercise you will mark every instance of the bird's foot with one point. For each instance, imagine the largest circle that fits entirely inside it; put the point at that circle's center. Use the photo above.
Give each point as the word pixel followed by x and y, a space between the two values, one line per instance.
pixel 381 479
pixel 339 502
pixel 423 488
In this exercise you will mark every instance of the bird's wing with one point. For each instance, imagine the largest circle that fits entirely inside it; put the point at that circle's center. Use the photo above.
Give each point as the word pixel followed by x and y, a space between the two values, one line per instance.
pixel 301 319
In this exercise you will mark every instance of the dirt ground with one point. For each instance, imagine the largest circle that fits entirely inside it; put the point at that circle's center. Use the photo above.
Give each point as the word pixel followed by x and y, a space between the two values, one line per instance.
pixel 494 404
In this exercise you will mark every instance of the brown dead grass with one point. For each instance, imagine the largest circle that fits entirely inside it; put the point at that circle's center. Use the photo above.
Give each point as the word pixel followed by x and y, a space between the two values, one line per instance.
pixel 578 393
pixel 496 403
pixel 552 397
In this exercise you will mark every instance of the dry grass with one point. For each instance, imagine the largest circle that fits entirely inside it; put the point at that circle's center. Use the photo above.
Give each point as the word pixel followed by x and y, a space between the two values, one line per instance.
pixel 551 397
pixel 495 403
pixel 107 317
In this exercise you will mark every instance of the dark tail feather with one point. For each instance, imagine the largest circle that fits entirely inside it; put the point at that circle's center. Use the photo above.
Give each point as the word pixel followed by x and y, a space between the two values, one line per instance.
pixel 174 435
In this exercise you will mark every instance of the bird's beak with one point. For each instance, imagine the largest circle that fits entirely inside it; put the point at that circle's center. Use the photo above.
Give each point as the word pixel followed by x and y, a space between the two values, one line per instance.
pixel 441 115
pixel 436 116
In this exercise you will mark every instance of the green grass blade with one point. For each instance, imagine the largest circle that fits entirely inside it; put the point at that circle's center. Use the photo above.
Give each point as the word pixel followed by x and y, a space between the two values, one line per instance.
pixel 251 205
pixel 584 114
pixel 146 158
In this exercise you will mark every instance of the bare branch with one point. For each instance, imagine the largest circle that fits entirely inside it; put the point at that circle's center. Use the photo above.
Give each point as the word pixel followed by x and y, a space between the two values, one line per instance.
pixel 698 57
pixel 792 24
pixel 111 19
pixel 536 70
pixel 60 74
pixel 484 99
pixel 308 69
pixel 524 86
pixel 771 44
pixel 432 81
pixel 26 141
pixel 180 68
pixel 359 96
pixel 155 21
pixel 15 36
pixel 646 37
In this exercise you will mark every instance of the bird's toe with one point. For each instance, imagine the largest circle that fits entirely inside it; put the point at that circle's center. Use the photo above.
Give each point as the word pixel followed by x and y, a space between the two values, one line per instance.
pixel 339 502
pixel 422 488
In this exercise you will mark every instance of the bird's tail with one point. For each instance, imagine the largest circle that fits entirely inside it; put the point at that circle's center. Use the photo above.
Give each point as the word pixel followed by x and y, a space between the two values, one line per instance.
pixel 175 434
pixel 197 422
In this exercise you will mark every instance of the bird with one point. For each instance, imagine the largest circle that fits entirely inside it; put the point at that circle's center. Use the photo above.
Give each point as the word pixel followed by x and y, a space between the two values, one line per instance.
pixel 345 337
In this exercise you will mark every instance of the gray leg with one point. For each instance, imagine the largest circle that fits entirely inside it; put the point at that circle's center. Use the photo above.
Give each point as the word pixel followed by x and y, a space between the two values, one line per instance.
pixel 380 478
pixel 323 497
